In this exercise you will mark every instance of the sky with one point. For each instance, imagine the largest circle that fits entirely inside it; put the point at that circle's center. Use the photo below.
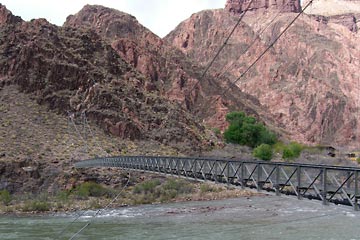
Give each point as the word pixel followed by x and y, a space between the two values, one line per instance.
pixel 160 16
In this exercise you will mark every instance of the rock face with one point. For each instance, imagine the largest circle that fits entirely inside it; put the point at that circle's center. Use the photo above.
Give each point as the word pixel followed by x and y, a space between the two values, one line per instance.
pixel 131 82
pixel 75 69
pixel 6 16
pixel 350 20
pixel 238 6
pixel 171 73
pixel 309 81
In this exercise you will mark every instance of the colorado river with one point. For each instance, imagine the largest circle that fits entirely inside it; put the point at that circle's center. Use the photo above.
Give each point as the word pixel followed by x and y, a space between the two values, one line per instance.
pixel 267 217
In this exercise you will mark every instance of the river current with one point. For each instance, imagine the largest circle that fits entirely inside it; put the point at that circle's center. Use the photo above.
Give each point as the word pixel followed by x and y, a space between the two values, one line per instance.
pixel 268 217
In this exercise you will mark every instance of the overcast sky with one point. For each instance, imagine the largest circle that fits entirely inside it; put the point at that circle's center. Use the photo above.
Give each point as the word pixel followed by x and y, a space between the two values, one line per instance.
pixel 160 16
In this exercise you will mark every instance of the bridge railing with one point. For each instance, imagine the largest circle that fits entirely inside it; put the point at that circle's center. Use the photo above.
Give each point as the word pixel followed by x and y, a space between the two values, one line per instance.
pixel 335 184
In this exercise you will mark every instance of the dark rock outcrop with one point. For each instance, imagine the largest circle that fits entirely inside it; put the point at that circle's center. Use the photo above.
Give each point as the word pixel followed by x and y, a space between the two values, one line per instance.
pixel 172 74
pixel 75 69
pixel 6 17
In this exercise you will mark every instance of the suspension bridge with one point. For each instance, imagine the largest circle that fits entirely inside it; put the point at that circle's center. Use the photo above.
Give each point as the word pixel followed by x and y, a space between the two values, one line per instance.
pixel 329 184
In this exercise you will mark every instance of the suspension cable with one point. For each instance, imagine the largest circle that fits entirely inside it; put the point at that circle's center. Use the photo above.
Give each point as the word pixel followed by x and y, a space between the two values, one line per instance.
pixel 93 135
pixel 213 60
pixel 94 216
pixel 263 53
pixel 222 72
pixel 71 117
pixel 219 51
pixel 101 210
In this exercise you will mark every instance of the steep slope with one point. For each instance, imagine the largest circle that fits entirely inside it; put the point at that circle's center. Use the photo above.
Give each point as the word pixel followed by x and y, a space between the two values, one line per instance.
pixel 75 70
pixel 308 80
pixel 171 72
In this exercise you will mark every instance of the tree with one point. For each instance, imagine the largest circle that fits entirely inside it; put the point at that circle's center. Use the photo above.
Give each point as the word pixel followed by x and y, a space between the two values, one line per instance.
pixel 245 130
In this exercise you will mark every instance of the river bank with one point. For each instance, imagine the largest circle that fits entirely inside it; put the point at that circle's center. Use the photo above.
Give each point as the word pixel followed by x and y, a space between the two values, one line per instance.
pixel 90 195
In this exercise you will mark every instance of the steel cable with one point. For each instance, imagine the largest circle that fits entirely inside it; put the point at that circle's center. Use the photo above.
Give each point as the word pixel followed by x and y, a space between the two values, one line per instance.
pixel 253 42
pixel 262 54
pixel 213 60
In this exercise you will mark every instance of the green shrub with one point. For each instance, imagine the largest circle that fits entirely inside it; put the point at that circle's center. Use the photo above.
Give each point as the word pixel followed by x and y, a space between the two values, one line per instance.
pixel 153 191
pixel 37 206
pixel 217 131
pixel 91 189
pixel 146 187
pixel 63 196
pixel 291 151
pixel 5 197
pixel 204 188
pixel 278 147
pixel 264 152
pixel 180 186
pixel 244 130
pixel 358 160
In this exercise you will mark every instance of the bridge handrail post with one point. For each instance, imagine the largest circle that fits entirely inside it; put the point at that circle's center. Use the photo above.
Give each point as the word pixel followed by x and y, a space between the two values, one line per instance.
pixel 242 175
pixel 215 171
pixel 195 172
pixel 356 194
pixel 348 182
pixel 324 179
pixel 228 172
pixel 277 180
pixel 299 182
pixel 259 175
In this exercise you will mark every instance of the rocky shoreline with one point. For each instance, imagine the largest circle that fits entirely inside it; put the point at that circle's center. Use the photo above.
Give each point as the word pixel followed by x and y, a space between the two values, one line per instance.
pixel 128 196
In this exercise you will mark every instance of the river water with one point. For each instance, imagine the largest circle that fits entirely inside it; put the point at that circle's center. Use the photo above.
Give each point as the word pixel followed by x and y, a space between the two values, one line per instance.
pixel 269 217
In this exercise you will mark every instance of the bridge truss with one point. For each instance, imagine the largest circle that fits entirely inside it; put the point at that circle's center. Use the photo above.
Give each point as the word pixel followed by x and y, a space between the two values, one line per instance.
pixel 329 184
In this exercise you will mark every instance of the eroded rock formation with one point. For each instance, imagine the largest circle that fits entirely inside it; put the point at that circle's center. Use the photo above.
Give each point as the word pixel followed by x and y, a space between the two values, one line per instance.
pixel 75 69
pixel 170 71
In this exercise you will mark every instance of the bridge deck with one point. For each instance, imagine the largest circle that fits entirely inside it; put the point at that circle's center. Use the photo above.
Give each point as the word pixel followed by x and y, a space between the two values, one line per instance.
pixel 330 184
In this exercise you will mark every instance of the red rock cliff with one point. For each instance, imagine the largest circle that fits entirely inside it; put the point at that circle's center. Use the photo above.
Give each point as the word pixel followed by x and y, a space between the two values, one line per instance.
pixel 309 81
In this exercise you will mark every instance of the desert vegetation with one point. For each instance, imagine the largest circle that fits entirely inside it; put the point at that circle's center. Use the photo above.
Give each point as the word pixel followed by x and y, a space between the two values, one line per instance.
pixel 246 130
pixel 91 195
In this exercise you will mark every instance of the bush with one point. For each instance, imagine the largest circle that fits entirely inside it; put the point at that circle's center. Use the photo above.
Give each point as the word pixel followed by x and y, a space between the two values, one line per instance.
pixel 91 189
pixel 146 187
pixel 278 147
pixel 180 186
pixel 217 131
pixel 37 206
pixel 264 152
pixel 172 188
pixel 152 190
pixel 291 151
pixel 63 196
pixel 204 188
pixel 5 197
pixel 244 130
